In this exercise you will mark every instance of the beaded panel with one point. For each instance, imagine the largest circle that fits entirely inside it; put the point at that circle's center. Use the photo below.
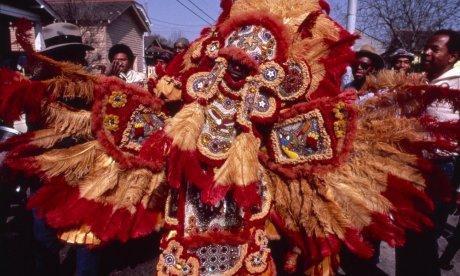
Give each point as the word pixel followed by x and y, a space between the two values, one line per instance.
pixel 216 259
pixel 296 81
pixel 219 129
pixel 200 217
pixel 205 85
pixel 142 124
pixel 255 104
pixel 300 139
pixel 258 42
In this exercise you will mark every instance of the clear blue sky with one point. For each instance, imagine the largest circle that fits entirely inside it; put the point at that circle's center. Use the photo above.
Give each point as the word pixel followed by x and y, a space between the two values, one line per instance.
pixel 169 17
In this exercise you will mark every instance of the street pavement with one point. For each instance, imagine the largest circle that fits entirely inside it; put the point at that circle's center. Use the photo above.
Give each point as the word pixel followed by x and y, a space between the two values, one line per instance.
pixel 387 255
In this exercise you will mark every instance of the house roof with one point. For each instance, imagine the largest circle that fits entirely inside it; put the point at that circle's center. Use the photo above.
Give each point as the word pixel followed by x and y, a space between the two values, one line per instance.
pixel 35 10
pixel 156 40
pixel 101 11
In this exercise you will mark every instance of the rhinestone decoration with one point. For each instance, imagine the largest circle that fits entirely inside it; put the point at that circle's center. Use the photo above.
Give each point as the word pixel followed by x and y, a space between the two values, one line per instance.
pixel 301 139
pixel 262 103
pixel 217 259
pixel 170 259
pixel 118 99
pixel 212 49
pixel 270 74
pixel 256 262
pixel 111 122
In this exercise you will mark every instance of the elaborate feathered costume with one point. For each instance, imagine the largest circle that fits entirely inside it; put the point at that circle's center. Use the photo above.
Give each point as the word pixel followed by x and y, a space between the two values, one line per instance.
pixel 265 144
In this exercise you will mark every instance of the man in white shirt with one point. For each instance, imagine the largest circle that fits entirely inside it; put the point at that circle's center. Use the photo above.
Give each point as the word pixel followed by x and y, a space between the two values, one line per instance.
pixel 420 254
pixel 122 59
pixel 441 53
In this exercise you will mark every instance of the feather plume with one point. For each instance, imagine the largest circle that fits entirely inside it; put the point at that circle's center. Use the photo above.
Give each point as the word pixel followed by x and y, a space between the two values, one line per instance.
pixel 242 165
pixel 71 87
pixel 185 127
pixel 67 121
pixel 102 178
pixel 73 162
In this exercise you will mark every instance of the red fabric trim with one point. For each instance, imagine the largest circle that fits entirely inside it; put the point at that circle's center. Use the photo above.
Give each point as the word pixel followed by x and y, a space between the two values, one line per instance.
pixel 217 237
pixel 438 183
pixel 383 228
pixel 357 244
pixel 247 196
pixel 20 95
pixel 411 206
pixel 239 55
pixel 446 130
pixel 309 22
pixel 63 208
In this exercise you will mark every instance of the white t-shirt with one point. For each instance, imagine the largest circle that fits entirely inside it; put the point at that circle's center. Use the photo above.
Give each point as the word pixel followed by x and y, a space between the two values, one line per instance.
pixel 441 110
pixel 133 77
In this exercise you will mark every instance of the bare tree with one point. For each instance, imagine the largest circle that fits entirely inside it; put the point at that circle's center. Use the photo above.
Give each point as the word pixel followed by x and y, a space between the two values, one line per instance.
pixel 406 23
pixel 174 36
pixel 84 14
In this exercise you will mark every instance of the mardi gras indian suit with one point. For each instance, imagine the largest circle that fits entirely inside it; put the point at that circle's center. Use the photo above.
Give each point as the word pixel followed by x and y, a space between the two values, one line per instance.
pixel 265 146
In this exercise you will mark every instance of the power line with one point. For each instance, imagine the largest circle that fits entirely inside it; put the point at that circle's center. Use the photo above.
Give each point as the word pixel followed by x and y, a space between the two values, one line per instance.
pixel 175 24
pixel 193 12
pixel 196 6
pixel 174 28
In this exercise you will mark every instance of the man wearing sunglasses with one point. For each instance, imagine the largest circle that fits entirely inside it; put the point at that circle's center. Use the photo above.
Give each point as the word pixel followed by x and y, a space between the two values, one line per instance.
pixel 367 62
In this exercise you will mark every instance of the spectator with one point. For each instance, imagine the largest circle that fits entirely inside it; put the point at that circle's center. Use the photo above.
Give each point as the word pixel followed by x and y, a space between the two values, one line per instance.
pixel 181 45
pixel 122 59
pixel 367 62
pixel 63 42
pixel 161 61
pixel 401 60
pixel 420 254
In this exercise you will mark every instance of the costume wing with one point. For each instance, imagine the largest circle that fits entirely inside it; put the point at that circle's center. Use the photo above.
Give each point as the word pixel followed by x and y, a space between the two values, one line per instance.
pixel 364 177
pixel 90 152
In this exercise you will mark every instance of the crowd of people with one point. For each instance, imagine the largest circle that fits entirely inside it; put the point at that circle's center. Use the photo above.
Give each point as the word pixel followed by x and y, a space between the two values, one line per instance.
pixel 441 67
pixel 440 63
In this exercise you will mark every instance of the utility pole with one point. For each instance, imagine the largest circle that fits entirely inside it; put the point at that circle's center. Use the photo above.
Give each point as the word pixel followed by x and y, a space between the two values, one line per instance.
pixel 351 15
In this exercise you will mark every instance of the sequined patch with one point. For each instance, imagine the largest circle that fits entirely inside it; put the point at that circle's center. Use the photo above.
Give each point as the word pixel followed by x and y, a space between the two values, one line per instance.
pixel 219 129
pixel 200 217
pixel 142 124
pixel 256 262
pixel 301 139
pixel 171 261
pixel 218 259
pixel 272 74
pixel 296 81
pixel 212 49
pixel 255 105
pixel 258 42
pixel 205 84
